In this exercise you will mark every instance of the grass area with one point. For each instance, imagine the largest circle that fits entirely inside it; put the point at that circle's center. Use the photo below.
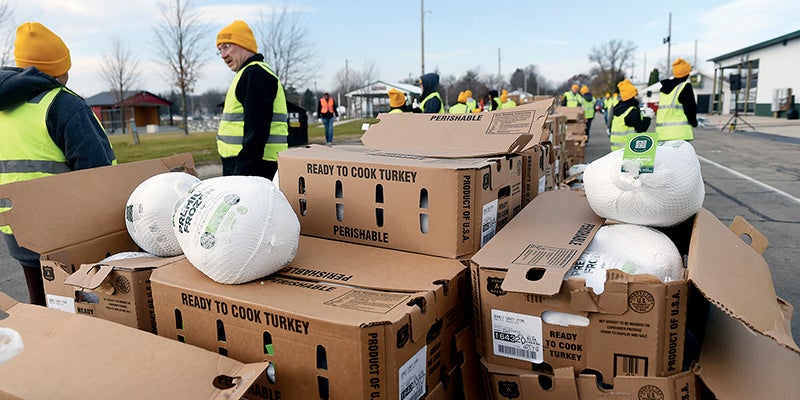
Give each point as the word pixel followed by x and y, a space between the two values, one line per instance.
pixel 203 145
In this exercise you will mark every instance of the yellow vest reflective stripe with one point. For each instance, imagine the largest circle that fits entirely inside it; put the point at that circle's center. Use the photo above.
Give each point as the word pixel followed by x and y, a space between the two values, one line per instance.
pixel 430 96
pixel 458 108
pixel 620 131
pixel 231 126
pixel 573 99
pixel 588 108
pixel 671 121
pixel 28 151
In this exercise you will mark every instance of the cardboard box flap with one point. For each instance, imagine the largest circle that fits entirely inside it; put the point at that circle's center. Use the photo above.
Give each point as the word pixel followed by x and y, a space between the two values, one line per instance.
pixel 449 135
pixel 77 206
pixel 542 242
pixel 113 361
pixel 369 267
pixel 89 276
pixel 735 277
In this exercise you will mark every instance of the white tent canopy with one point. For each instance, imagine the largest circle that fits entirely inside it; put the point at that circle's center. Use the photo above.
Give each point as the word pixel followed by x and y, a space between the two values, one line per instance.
pixel 369 100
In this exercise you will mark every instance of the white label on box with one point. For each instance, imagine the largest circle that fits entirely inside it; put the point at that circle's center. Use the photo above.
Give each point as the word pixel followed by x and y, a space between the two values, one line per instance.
pixel 62 303
pixel 412 376
pixel 542 184
pixel 488 221
pixel 517 336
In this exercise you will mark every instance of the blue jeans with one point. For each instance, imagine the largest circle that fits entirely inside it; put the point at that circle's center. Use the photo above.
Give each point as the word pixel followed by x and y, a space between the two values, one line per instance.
pixel 328 123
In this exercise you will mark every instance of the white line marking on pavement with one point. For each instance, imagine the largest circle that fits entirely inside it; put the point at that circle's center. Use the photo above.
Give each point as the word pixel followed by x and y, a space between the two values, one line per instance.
pixel 743 176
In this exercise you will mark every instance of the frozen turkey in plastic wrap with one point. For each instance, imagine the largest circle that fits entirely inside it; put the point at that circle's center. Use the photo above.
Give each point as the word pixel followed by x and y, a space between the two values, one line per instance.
pixel 149 209
pixel 236 229
pixel 669 195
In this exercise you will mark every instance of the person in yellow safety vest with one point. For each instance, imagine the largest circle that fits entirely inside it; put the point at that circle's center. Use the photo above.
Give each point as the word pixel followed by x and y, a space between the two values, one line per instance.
pixel 606 108
pixel 472 105
pixel 677 108
pixel 588 109
pixel 45 129
pixel 627 118
pixel 572 98
pixel 254 127
pixel 505 102
pixel 431 99
pixel 461 106
pixel 397 101
pixel 612 103
pixel 492 102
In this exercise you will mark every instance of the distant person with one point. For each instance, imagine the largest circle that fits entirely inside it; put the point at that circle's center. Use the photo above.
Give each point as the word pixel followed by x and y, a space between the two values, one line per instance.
pixel 612 103
pixel 505 102
pixel 606 108
pixel 461 105
pixel 431 99
pixel 677 107
pixel 492 101
pixel 397 102
pixel 627 118
pixel 326 110
pixel 472 104
pixel 572 98
pixel 45 128
pixel 588 109
pixel 254 127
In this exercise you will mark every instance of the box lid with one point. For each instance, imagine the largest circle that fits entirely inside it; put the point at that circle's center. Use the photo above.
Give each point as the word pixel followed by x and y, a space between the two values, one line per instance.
pixel 91 276
pixel 464 135
pixel 77 206
pixel 91 358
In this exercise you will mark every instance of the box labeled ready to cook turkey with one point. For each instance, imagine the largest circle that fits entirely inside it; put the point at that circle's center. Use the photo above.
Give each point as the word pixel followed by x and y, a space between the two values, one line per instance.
pixel 76 219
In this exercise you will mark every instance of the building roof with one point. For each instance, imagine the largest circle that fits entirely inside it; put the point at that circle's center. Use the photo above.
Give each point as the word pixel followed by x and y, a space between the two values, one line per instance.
pixel 778 40
pixel 381 88
pixel 130 98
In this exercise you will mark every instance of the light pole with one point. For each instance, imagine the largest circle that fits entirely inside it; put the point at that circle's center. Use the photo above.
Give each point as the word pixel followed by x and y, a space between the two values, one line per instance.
pixel 668 41
pixel 422 13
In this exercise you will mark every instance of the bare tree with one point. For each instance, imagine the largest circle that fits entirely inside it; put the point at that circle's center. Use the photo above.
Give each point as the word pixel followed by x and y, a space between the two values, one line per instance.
pixel 120 70
pixel 6 32
pixel 285 43
pixel 610 59
pixel 180 45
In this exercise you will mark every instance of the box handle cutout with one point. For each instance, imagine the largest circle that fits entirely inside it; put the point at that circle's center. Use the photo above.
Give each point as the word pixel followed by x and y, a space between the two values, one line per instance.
pixel 268 346
pixel 338 189
pixel 487 180
pixel 181 339
pixel 220 331
pixel 419 302
pixel 379 193
pixel 83 296
pixel 379 217
pixel 271 373
pixel 339 212
pixel 322 357
pixel 222 351
pixel 423 198
pixel 505 191
pixel 224 382
pixel 178 319
pixel 434 332
pixel 445 284
pixel 564 319
pixel 534 274
pixel 301 185
pixel 323 387
pixel 303 207
pixel 423 223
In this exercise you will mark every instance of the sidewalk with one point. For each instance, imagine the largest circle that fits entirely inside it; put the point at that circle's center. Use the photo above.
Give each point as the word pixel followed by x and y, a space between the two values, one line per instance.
pixel 766 125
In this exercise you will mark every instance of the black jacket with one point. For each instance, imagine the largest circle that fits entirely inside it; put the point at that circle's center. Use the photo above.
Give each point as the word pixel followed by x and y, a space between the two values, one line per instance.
pixel 686 97
pixel 430 82
pixel 634 119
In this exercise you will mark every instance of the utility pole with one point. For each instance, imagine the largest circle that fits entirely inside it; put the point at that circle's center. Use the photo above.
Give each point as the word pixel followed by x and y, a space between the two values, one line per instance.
pixel 644 70
pixel 695 54
pixel 668 41
pixel 422 34
pixel 498 67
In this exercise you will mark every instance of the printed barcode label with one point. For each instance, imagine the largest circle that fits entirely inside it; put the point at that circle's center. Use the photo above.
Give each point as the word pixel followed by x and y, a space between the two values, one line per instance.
pixel 515 352
pixel 488 221
pixel 517 336
pixel 630 365
pixel 412 376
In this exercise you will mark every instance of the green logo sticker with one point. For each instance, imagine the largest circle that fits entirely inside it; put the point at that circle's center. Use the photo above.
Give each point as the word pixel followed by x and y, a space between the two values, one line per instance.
pixel 640 148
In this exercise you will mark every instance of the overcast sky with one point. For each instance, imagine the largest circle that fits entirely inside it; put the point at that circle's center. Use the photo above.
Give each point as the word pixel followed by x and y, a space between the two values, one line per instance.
pixel 460 35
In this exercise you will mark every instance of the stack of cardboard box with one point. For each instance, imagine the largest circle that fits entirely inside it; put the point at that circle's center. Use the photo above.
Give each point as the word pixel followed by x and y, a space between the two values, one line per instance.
pixel 573 148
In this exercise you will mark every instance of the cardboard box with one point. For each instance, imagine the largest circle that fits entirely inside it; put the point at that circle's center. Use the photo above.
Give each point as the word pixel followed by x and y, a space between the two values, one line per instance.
pixel 746 348
pixel 435 206
pixel 464 381
pixel 682 386
pixel 69 356
pixel 76 225
pixel 635 327
pixel 513 383
pixel 342 321
pixel 572 113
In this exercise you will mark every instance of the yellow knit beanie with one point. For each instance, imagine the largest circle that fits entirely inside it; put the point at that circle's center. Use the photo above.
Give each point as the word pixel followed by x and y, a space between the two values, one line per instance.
pixel 462 97
pixel 504 96
pixel 574 88
pixel 396 98
pixel 626 90
pixel 680 68
pixel 39 47
pixel 239 34
pixel 584 89
pixel 468 93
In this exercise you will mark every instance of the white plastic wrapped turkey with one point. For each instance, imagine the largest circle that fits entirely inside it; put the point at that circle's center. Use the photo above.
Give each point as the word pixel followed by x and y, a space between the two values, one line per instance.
pixel 149 209
pixel 236 229
pixel 668 196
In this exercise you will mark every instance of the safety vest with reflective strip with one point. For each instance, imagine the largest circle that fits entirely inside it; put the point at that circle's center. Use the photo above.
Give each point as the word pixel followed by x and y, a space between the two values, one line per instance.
pixel 588 108
pixel 620 131
pixel 231 127
pixel 573 99
pixel 458 108
pixel 671 121
pixel 508 104
pixel 430 96
pixel 28 151
pixel 326 107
